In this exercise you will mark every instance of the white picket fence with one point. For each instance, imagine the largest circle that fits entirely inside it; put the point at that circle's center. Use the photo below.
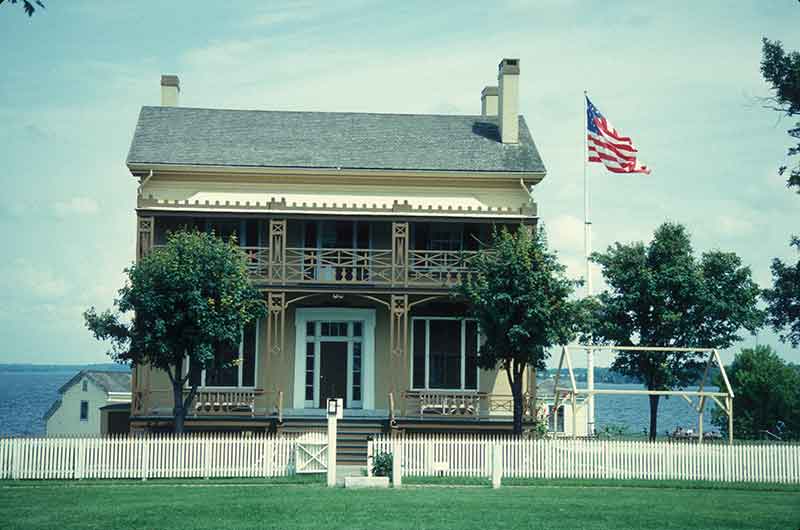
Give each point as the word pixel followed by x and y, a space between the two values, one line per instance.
pixel 153 456
pixel 470 456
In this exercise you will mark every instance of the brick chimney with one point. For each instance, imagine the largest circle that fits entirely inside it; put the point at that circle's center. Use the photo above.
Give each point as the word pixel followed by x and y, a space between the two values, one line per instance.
pixel 508 107
pixel 170 90
pixel 489 101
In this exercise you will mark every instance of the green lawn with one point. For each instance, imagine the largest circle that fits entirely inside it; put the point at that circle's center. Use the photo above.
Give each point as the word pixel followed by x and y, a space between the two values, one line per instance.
pixel 255 504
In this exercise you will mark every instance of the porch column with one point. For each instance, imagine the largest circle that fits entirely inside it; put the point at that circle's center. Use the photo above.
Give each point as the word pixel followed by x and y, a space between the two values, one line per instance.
pixel 277 250
pixel 276 322
pixel 145 235
pixel 400 254
pixel 398 336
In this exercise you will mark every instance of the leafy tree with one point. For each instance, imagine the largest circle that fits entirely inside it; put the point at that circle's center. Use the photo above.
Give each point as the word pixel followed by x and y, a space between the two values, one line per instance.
pixel 27 5
pixel 184 303
pixel 784 299
pixel 767 391
pixel 661 295
pixel 781 69
pixel 520 297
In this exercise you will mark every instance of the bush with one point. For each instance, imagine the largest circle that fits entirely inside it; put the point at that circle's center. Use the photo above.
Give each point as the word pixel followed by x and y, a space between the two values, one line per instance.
pixel 382 465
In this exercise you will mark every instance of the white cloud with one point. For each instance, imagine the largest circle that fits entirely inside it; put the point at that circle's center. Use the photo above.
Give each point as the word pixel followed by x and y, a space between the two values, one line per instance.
pixel 76 206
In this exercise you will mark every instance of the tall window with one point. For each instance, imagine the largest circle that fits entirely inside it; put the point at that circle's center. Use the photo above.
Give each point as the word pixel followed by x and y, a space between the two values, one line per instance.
pixel 84 411
pixel 445 353
pixel 241 361
pixel 85 386
pixel 555 422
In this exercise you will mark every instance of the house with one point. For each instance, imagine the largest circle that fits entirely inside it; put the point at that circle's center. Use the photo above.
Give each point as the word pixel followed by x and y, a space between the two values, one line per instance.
pixel 91 402
pixel 356 226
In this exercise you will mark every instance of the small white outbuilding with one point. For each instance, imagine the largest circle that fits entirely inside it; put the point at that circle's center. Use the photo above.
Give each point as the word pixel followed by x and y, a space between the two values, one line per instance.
pixel 77 410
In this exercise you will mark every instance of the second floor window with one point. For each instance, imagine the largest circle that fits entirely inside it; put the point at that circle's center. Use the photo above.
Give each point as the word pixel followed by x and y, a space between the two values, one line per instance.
pixel 241 364
pixel 85 386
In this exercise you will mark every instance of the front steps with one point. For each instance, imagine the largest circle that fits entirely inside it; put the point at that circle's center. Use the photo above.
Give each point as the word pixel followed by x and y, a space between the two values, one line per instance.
pixel 351 435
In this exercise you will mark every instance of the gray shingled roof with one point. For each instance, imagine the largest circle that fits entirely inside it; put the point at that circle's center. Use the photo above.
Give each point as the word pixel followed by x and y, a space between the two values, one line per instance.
pixel 251 138
pixel 110 381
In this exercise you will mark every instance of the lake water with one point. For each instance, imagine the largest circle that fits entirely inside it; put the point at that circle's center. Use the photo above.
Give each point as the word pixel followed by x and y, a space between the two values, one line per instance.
pixel 25 396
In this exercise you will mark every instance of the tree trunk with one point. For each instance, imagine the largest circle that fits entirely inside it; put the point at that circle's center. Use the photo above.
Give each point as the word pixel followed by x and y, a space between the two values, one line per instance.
pixel 653 417
pixel 178 410
pixel 515 382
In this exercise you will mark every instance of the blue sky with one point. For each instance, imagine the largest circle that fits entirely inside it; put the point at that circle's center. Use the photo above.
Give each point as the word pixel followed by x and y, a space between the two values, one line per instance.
pixel 682 80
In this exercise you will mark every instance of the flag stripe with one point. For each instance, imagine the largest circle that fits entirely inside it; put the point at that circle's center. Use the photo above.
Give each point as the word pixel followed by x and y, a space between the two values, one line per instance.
pixel 607 146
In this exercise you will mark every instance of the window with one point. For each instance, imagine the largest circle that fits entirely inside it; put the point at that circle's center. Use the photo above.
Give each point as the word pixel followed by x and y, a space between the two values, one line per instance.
pixel 85 386
pixel 241 363
pixel 84 411
pixel 555 422
pixel 445 354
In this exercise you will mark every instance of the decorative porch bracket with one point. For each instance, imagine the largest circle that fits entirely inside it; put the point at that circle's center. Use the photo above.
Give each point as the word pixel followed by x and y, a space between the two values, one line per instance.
pixel 400 254
pixel 277 251
pixel 145 236
pixel 276 322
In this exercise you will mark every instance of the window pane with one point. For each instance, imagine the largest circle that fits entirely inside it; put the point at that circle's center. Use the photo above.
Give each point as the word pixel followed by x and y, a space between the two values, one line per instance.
pixel 84 410
pixel 310 371
pixel 249 355
pixel 195 371
pixel 445 354
pixel 221 375
pixel 471 355
pixel 357 329
pixel 356 371
pixel 310 329
pixel 419 354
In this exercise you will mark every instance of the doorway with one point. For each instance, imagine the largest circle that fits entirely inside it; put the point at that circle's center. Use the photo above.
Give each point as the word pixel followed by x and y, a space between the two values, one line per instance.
pixel 332 372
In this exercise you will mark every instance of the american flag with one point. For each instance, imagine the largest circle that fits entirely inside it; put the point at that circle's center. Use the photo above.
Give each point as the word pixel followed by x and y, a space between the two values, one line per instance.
pixel 608 147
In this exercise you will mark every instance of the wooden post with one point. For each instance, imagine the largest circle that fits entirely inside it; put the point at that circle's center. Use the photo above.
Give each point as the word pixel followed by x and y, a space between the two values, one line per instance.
pixel 331 450
pixel 397 463
pixel 729 402
pixel 145 458
pixel 497 464
pixel 700 426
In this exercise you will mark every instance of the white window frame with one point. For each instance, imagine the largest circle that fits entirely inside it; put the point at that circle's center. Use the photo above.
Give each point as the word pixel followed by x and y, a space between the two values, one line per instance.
pixel 332 314
pixel 80 410
pixel 428 355
pixel 240 367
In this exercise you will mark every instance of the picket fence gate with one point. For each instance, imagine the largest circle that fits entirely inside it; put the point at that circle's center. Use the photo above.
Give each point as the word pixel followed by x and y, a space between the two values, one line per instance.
pixel 152 456
pixel 470 456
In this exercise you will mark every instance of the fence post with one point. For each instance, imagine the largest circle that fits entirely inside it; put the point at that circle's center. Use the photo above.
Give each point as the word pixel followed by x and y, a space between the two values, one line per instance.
pixel 145 458
pixel 80 458
pixel 15 458
pixel 206 457
pixel 370 456
pixel 397 464
pixel 497 464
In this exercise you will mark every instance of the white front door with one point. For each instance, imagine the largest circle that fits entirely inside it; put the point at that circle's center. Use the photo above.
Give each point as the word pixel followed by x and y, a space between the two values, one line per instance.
pixel 334 357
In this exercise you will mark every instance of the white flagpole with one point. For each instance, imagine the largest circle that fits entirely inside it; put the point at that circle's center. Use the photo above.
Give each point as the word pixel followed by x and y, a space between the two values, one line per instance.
pixel 587 241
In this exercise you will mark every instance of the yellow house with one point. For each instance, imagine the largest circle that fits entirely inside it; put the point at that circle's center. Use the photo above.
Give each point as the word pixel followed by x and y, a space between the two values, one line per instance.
pixel 356 226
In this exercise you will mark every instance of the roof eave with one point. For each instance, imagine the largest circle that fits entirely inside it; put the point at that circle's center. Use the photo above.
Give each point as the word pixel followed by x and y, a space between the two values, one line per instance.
pixel 138 169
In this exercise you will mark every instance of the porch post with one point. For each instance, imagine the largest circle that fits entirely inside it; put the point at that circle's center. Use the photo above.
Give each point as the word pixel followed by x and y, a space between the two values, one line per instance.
pixel 145 235
pixel 398 335
pixel 399 253
pixel 276 322
pixel 277 250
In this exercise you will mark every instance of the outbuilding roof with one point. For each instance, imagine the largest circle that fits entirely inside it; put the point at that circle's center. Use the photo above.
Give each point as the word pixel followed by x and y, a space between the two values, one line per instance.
pixel 108 380
pixel 329 140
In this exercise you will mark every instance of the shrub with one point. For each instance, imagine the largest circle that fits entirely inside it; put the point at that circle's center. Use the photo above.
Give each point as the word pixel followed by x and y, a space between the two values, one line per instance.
pixel 382 465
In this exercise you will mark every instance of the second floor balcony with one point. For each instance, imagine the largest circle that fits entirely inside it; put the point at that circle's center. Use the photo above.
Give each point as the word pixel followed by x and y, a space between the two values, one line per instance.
pixel 349 252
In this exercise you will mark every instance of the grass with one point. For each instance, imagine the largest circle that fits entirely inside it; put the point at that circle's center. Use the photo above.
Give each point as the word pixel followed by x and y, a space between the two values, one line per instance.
pixel 261 504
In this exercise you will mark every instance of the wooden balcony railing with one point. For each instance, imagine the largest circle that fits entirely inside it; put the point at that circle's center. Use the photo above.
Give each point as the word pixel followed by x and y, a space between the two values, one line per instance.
pixel 356 266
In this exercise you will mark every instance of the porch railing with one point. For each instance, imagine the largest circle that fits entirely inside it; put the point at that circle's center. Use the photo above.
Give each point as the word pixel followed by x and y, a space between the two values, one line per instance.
pixel 212 402
pixel 338 265
pixel 464 404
